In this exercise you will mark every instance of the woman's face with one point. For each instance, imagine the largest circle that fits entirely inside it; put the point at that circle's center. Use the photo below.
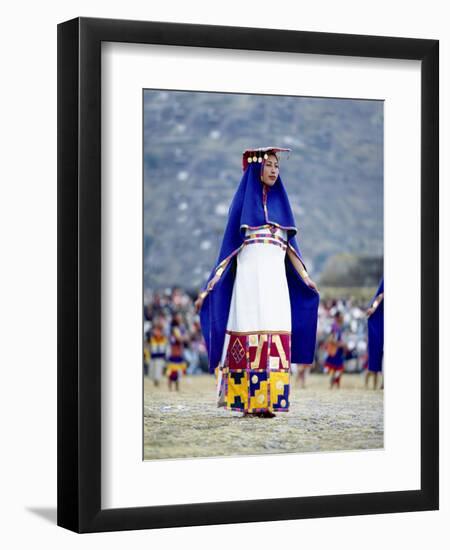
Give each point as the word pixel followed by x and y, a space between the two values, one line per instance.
pixel 270 171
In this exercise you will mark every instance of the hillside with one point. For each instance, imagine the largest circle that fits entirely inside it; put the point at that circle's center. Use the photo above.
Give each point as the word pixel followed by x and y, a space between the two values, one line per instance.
pixel 192 165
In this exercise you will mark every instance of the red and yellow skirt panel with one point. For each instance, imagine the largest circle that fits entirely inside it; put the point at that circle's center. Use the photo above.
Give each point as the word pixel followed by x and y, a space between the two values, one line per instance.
pixel 256 373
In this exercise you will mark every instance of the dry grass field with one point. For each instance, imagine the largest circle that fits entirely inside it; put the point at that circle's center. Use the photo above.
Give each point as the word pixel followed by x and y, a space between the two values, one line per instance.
pixel 188 423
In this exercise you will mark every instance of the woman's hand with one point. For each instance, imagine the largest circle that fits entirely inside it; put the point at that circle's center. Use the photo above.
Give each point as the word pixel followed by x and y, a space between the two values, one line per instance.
pixel 370 311
pixel 301 270
pixel 375 304
pixel 311 283
pixel 198 303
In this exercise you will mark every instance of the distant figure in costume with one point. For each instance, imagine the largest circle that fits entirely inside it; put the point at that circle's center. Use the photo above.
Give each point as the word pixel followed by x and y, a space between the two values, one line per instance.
pixel 375 326
pixel 334 362
pixel 176 363
pixel 259 308
pixel 158 351
pixel 146 355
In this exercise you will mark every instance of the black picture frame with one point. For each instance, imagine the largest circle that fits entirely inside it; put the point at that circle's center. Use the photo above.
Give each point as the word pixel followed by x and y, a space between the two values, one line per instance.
pixel 79 274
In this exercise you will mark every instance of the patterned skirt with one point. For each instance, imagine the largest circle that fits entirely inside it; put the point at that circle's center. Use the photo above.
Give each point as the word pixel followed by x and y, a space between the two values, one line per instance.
pixel 256 371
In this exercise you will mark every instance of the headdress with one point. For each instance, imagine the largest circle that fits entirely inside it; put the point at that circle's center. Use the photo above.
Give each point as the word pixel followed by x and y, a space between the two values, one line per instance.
pixel 259 154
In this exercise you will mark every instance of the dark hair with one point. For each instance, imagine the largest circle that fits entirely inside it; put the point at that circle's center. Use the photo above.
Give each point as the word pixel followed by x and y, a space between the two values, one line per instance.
pixel 273 154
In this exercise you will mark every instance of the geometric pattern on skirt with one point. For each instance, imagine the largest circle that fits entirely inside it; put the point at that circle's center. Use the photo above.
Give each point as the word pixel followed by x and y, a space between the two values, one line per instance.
pixel 256 372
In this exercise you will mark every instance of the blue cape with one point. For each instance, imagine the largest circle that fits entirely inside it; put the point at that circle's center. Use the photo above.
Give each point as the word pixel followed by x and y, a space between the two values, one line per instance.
pixel 247 211
pixel 375 326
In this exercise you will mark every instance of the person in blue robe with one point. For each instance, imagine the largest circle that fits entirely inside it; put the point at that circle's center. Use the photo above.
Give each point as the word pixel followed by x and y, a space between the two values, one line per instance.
pixel 259 206
pixel 375 328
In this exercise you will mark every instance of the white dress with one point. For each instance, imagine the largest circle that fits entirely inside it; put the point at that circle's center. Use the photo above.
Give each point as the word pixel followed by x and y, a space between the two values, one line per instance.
pixel 260 300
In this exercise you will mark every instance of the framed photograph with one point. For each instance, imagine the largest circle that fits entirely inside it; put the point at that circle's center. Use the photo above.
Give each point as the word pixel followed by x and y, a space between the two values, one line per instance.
pixel 232 203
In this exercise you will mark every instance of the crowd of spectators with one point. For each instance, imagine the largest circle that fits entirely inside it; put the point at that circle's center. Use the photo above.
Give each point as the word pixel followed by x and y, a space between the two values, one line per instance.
pixel 162 307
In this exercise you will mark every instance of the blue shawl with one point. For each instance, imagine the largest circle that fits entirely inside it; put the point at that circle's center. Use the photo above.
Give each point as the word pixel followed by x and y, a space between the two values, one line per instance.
pixel 375 325
pixel 247 211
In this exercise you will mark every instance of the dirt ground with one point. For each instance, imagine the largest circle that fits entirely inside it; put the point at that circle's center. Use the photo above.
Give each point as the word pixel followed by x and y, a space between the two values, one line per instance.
pixel 189 424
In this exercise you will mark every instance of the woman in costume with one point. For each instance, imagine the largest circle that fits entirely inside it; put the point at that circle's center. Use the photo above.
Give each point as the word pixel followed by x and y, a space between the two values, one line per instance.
pixel 158 351
pixel 334 362
pixel 176 362
pixel 258 310
pixel 375 326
